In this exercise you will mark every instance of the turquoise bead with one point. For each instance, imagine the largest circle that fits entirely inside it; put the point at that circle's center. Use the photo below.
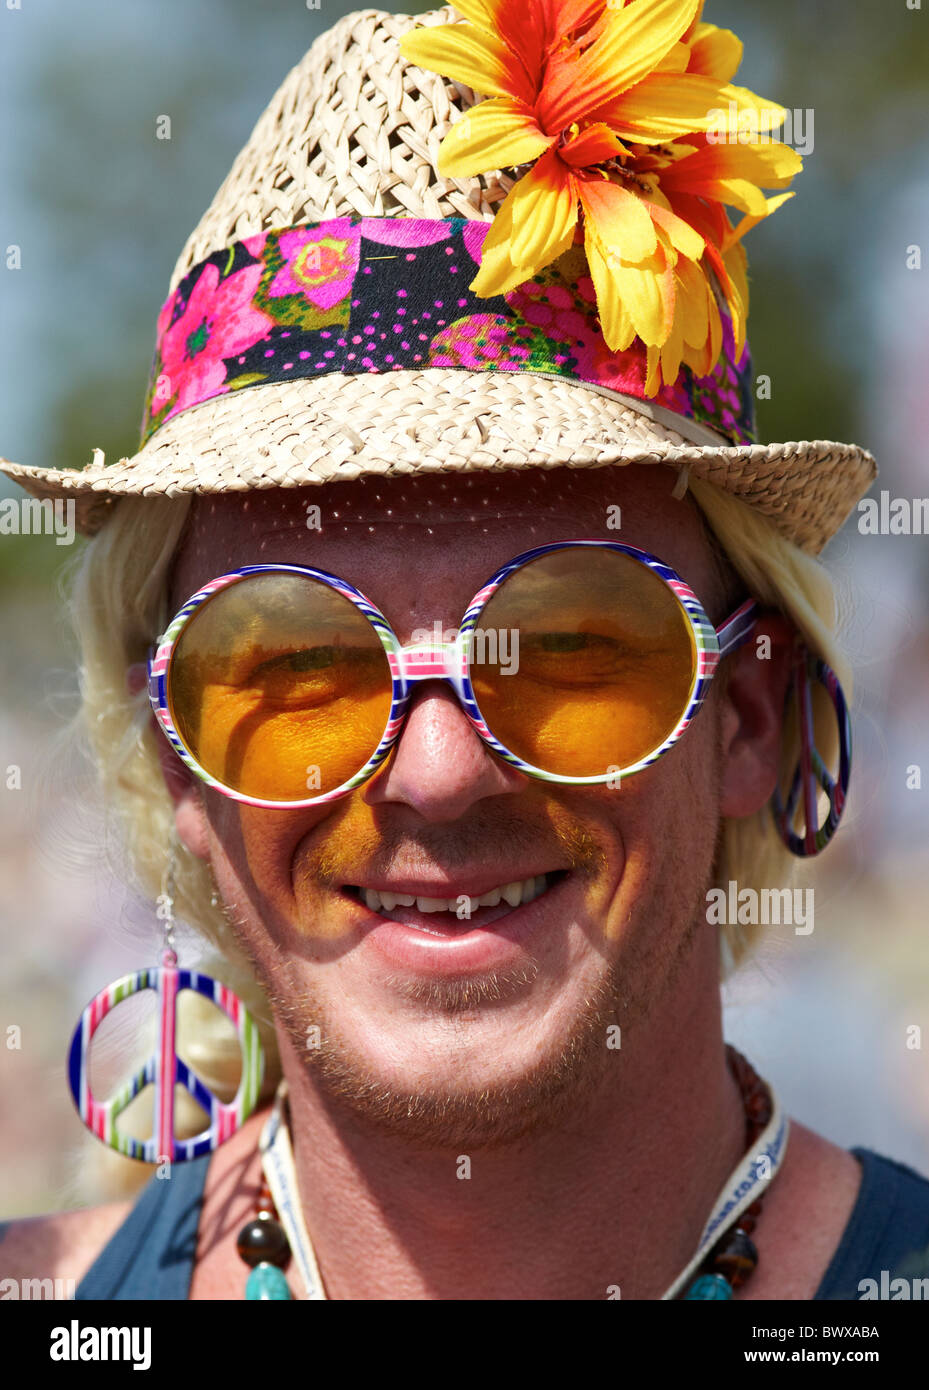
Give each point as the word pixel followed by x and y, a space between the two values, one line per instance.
pixel 267 1281
pixel 709 1286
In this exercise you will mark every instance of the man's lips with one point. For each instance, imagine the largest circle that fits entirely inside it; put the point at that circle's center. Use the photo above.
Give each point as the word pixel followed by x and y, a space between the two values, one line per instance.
pixel 447 906
pixel 439 944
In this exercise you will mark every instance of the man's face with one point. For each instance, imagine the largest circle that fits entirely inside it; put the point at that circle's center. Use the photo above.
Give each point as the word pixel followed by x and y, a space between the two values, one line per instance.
pixel 442 1028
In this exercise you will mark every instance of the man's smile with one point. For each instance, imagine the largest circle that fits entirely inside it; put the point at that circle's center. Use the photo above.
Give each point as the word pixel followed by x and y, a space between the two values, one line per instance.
pixel 449 898
pixel 417 924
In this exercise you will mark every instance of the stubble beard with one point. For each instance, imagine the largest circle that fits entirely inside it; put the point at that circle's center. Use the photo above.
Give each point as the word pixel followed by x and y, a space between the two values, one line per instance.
pixel 563 1084
pixel 485 1116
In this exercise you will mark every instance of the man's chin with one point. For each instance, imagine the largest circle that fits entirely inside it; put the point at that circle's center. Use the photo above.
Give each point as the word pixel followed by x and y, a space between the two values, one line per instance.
pixel 484 1116
pixel 480 1098
pixel 442 998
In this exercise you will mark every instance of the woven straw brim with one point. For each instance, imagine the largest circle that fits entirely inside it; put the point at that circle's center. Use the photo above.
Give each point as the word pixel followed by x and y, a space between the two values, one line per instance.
pixel 397 424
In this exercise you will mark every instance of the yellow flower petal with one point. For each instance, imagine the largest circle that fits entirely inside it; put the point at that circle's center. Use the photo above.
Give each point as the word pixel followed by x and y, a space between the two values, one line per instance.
pixel 735 262
pixel 496 134
pixel 485 15
pixel 694 23
pixel 681 235
pixel 466 54
pixel 665 259
pixel 645 292
pixel 769 166
pixel 702 326
pixel 615 323
pixel 567 16
pixel 748 222
pixel 497 273
pixel 734 287
pixel 666 105
pixel 496 267
pixel 715 52
pixel 737 193
pixel 755 114
pixel 594 145
pixel 620 220
pixel 677 59
pixel 524 43
pixel 653 374
pixel 673 350
pixel 634 40
pixel 544 214
pixel 529 30
pixel 693 311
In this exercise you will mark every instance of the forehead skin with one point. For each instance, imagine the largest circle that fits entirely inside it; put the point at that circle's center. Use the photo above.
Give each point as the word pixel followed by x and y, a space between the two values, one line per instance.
pixel 421 547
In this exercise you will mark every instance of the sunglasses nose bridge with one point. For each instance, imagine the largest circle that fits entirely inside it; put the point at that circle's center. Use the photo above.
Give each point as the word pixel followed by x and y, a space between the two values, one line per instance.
pixel 430 661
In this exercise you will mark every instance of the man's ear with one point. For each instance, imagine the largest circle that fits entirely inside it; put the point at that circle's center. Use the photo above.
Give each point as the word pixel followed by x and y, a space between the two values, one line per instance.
pixel 183 787
pixel 751 715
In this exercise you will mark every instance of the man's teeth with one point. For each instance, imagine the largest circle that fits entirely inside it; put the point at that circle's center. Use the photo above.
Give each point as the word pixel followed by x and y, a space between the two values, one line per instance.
pixel 519 891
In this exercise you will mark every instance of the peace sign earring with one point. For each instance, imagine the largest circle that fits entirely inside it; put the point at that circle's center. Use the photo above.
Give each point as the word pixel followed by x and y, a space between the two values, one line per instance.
pixel 811 773
pixel 164 1069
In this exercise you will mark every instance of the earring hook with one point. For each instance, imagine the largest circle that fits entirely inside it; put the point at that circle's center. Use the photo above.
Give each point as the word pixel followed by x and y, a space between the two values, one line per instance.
pixel 164 909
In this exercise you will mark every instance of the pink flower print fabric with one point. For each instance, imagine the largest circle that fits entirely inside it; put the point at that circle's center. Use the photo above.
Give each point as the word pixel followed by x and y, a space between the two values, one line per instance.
pixel 354 295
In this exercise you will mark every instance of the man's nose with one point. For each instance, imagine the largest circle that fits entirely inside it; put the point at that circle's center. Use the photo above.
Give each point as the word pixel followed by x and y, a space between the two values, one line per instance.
pixel 439 765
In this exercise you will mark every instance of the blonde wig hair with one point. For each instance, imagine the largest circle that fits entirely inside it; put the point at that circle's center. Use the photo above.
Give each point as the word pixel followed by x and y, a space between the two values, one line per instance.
pixel 118 605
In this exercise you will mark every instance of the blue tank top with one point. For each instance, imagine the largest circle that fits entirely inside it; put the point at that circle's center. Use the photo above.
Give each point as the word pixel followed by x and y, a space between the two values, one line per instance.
pixel 151 1256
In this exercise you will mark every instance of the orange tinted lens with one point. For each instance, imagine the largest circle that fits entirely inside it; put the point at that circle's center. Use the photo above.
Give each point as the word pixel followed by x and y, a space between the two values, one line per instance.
pixel 583 661
pixel 280 687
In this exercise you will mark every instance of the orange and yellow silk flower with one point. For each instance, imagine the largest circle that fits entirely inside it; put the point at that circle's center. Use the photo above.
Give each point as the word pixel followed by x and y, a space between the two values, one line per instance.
pixel 626 114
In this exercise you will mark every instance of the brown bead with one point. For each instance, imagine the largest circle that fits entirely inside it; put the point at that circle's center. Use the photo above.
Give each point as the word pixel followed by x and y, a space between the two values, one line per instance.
pixel 735 1257
pixel 265 1201
pixel 262 1241
pixel 749 1218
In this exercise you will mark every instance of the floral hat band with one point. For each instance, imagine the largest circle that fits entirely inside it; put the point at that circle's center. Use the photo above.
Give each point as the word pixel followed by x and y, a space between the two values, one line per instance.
pixel 359 295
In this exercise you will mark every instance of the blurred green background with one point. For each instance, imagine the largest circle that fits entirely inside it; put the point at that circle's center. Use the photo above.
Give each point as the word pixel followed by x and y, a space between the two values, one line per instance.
pixel 100 209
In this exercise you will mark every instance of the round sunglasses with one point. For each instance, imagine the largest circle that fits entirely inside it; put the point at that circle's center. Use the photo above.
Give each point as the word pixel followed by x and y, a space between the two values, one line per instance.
pixel 580 662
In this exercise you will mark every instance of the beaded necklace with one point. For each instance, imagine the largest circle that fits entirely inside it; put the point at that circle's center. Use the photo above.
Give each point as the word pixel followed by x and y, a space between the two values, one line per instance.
pixel 725 1258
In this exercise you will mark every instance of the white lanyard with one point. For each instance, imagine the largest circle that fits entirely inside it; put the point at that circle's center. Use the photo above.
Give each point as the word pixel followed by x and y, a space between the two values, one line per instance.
pixel 744 1185
pixel 277 1160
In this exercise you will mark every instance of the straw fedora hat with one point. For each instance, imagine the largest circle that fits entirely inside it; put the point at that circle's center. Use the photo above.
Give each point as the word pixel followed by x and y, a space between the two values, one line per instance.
pixel 345 153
